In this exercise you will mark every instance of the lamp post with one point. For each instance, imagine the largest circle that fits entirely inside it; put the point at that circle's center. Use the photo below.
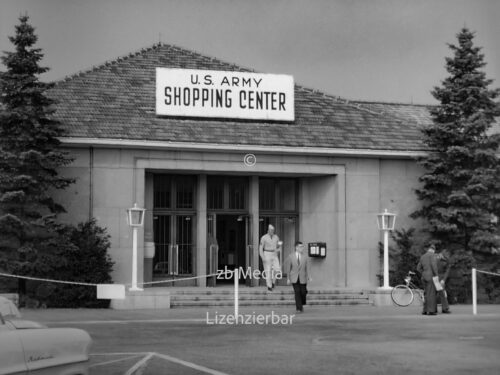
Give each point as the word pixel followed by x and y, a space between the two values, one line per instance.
pixel 386 222
pixel 135 218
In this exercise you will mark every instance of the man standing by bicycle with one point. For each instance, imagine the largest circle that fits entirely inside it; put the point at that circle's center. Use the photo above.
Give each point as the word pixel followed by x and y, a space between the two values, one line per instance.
pixel 427 266
pixel 444 267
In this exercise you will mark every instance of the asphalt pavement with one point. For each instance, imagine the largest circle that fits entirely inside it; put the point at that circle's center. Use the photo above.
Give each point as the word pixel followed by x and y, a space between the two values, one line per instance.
pixel 322 340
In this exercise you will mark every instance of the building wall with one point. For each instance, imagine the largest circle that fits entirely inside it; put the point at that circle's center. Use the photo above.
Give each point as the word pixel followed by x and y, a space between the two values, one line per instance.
pixel 76 199
pixel 318 222
pixel 109 190
pixel 339 201
pixel 362 206
pixel 373 185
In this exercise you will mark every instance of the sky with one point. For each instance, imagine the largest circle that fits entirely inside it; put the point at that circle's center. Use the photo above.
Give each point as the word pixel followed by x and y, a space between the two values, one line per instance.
pixel 373 50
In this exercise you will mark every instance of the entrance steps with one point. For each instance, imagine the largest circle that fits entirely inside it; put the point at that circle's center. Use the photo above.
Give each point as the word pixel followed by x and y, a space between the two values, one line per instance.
pixel 259 296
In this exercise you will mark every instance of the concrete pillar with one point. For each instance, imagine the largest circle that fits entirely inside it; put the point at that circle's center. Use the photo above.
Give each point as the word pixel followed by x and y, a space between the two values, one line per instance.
pixel 148 228
pixel 340 181
pixel 201 230
pixel 140 182
pixel 254 216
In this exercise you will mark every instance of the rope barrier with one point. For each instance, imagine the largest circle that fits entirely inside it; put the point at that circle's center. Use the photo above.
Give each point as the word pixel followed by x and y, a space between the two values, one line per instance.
pixel 46 280
pixel 129 284
pixel 489 273
pixel 185 278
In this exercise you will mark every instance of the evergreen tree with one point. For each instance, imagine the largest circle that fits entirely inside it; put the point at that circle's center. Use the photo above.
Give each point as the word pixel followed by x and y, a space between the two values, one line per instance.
pixel 29 156
pixel 461 187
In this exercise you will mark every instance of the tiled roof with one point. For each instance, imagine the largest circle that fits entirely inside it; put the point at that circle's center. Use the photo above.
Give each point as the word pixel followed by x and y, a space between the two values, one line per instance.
pixel 117 100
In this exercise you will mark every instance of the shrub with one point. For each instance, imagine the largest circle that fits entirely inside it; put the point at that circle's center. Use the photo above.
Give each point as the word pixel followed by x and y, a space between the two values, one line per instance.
pixel 403 256
pixel 78 254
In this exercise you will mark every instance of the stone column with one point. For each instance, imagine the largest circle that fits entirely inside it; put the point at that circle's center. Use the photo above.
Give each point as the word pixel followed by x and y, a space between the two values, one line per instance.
pixel 201 230
pixel 254 216
pixel 140 190
pixel 148 229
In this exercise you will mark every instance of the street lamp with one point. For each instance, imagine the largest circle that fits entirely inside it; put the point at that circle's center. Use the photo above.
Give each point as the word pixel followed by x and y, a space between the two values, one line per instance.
pixel 386 223
pixel 135 218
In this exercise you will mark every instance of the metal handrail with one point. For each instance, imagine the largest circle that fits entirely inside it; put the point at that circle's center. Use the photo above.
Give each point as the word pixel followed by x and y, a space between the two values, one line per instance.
pixel 213 258
pixel 173 259
pixel 249 256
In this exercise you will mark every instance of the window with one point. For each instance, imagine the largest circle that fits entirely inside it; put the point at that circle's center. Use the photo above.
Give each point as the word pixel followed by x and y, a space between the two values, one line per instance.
pixel 267 194
pixel 278 194
pixel 162 191
pixel 237 198
pixel 227 193
pixel 185 191
pixel 287 195
pixel 215 193
pixel 173 192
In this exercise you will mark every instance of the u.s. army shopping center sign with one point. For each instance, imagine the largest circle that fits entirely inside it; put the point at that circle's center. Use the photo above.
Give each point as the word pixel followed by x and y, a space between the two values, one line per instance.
pixel 219 94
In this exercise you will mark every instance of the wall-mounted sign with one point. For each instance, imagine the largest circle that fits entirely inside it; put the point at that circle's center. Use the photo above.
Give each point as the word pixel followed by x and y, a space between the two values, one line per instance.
pixel 211 93
pixel 317 249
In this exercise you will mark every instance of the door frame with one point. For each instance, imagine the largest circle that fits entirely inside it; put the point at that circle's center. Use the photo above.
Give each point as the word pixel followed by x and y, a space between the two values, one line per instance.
pixel 174 240
pixel 212 217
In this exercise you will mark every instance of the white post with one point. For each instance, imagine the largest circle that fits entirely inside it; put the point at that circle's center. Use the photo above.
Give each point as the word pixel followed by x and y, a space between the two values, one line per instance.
pixel 474 294
pixel 386 260
pixel 134 261
pixel 236 291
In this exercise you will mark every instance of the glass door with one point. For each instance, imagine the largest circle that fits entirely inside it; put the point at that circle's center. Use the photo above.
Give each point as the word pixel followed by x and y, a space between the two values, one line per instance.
pixel 286 228
pixel 212 249
pixel 248 247
pixel 184 243
pixel 163 241
pixel 173 237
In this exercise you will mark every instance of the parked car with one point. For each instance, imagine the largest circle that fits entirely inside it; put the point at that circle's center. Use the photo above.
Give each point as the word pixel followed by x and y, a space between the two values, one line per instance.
pixel 28 347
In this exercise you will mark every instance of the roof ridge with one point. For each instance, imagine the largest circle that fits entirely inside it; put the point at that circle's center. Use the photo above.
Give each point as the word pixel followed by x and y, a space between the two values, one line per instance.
pixel 393 103
pixel 148 49
pixel 341 100
pixel 207 56
pixel 107 63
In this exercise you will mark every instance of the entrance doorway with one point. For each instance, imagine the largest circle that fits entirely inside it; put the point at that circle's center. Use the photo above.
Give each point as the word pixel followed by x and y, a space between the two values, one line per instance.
pixel 174 228
pixel 230 233
pixel 227 226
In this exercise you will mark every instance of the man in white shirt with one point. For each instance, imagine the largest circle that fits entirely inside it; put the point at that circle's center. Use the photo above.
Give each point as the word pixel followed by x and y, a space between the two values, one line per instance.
pixel 270 244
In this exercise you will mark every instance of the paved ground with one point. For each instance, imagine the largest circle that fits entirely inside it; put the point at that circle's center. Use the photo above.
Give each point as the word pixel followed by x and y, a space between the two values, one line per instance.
pixel 323 340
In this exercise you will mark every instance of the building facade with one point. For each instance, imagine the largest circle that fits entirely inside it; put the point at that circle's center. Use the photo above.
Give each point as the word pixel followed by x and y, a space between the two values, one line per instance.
pixel 211 183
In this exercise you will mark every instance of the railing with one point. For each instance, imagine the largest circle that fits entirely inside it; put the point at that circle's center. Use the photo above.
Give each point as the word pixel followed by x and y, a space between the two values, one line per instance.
pixel 213 259
pixel 248 256
pixel 173 257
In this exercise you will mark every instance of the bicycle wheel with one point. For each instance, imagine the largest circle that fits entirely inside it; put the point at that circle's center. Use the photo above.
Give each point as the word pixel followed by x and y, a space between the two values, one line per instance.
pixel 402 295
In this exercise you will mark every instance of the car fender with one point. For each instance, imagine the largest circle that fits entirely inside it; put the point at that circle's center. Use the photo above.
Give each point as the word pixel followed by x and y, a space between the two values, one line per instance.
pixel 51 347
pixel 11 353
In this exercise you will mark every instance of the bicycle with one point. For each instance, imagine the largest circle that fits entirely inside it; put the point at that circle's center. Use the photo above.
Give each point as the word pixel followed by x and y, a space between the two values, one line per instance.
pixel 403 294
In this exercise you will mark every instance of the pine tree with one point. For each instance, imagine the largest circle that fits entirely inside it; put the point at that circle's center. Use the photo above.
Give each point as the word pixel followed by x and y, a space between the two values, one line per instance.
pixel 29 155
pixel 461 186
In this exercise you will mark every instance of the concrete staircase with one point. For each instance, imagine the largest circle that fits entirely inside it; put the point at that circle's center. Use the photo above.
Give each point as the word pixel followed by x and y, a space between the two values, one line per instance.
pixel 258 296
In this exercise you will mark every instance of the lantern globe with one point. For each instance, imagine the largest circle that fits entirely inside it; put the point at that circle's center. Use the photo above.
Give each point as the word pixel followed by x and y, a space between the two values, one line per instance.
pixel 386 220
pixel 135 216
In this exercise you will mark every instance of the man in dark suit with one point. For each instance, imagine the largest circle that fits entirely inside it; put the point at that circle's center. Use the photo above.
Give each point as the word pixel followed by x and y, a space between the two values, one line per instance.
pixel 298 275
pixel 444 267
pixel 427 266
